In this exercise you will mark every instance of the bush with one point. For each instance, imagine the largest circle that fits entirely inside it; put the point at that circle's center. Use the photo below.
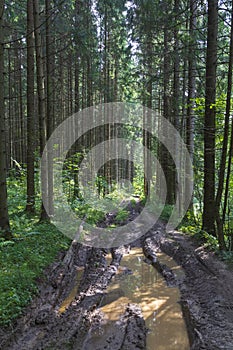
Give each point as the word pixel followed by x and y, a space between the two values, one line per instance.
pixel 121 216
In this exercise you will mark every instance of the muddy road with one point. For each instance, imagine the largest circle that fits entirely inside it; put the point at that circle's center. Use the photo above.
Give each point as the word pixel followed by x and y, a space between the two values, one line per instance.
pixel 77 303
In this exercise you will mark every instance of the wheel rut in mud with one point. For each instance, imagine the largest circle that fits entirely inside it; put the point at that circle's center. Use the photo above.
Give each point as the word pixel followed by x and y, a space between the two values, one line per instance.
pixel 80 278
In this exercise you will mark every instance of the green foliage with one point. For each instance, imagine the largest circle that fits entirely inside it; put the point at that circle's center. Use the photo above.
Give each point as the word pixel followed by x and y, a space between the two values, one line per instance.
pixel 83 210
pixel 133 203
pixel 166 212
pixel 200 235
pixel 121 216
pixel 227 257
pixel 98 205
pixel 138 184
pixel 191 219
pixel 17 196
pixel 23 259
pixel 192 226
pixel 21 262
pixel 210 241
pixel 155 207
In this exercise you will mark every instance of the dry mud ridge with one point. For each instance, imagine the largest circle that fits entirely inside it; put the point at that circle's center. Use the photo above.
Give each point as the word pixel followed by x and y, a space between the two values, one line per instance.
pixel 206 299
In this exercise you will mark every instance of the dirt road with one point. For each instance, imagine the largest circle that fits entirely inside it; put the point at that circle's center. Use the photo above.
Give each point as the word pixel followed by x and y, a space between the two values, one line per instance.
pixel 206 299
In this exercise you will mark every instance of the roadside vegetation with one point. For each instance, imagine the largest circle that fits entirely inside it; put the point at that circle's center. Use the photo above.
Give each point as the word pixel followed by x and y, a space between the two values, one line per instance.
pixel 23 259
pixel 36 243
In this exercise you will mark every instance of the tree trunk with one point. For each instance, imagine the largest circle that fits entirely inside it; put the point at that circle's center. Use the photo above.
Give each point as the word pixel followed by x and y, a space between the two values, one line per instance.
pixel 4 218
pixel 166 160
pixel 209 123
pixel 191 94
pixel 41 106
pixel 220 220
pixel 228 177
pixel 147 118
pixel 49 104
pixel 30 207
pixel 175 106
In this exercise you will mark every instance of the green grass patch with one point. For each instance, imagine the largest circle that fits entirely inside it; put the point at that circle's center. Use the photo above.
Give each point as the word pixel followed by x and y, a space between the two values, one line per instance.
pixel 22 261
pixel 121 216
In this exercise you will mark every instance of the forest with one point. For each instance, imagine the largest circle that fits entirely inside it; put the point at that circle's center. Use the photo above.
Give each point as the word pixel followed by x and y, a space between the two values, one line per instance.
pixel 116 186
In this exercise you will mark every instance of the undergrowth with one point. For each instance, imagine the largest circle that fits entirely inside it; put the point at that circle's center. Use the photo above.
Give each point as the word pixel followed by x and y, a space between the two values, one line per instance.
pixel 34 246
pixel 23 260
pixel 192 227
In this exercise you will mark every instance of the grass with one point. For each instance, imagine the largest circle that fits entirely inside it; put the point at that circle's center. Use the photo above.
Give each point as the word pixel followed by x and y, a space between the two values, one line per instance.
pixel 192 227
pixel 24 259
pixel 34 246
pixel 121 216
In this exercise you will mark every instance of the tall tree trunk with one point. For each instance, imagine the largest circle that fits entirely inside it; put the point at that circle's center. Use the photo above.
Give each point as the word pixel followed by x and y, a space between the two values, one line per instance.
pixel 30 207
pixel 49 106
pixel 41 106
pixel 175 105
pixel 10 112
pixel 4 218
pixel 107 96
pixel 147 118
pixel 209 123
pixel 219 219
pixel 166 159
pixel 230 156
pixel 18 103
pixel 191 94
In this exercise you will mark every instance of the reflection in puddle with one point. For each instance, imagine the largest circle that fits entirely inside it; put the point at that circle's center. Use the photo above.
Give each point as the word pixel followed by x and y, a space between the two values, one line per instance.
pixel 159 303
pixel 66 303
pixel 138 282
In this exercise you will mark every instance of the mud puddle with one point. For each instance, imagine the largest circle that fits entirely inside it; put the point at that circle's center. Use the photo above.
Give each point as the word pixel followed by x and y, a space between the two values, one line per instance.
pixel 139 283
pixel 93 318
pixel 67 302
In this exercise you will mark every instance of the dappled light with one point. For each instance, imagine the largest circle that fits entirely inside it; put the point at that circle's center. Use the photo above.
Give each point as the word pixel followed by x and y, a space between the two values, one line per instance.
pixel 66 303
pixel 116 181
pixel 159 303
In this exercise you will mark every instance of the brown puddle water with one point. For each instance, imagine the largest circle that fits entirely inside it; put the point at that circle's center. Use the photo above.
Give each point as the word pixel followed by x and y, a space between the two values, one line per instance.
pixel 159 303
pixel 66 303
pixel 145 287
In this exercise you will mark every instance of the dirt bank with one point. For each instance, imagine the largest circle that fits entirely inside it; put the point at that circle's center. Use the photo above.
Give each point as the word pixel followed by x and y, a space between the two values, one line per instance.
pixel 206 291
pixel 206 298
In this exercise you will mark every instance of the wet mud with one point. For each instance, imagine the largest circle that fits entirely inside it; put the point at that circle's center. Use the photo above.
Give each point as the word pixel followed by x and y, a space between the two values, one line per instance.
pixel 161 292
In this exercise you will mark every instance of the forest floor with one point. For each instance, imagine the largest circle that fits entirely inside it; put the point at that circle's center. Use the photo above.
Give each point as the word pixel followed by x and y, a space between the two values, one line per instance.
pixel 206 298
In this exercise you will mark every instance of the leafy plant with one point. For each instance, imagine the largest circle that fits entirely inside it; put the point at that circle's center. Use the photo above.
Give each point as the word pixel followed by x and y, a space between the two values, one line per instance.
pixel 166 212
pixel 227 257
pixel 21 263
pixel 121 216
pixel 23 259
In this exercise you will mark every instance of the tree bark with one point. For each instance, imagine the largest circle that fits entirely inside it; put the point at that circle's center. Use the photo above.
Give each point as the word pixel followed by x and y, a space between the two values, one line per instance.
pixel 209 122
pixel 147 118
pixel 4 218
pixel 220 220
pixel 166 159
pixel 41 106
pixel 49 105
pixel 191 94
pixel 30 207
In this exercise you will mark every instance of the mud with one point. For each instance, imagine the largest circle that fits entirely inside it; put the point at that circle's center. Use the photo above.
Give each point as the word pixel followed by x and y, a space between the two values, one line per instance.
pixel 141 284
pixel 67 313
pixel 206 290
